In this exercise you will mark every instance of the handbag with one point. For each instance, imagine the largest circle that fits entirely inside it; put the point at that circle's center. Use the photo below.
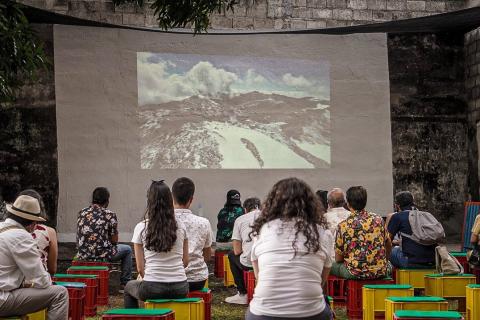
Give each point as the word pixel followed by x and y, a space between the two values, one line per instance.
pixel 445 262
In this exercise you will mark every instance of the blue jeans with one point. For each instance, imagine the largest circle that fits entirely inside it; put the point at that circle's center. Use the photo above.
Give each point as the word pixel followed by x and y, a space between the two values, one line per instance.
pixel 124 253
pixel 399 260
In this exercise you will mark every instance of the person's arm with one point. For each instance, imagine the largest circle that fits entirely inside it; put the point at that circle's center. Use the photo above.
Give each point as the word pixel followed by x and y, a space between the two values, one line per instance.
pixel 26 255
pixel 114 238
pixel 139 259
pixel 52 251
pixel 185 253
pixel 255 268
pixel 325 274
pixel 237 247
pixel 114 226
pixel 339 244
pixel 474 239
pixel 207 254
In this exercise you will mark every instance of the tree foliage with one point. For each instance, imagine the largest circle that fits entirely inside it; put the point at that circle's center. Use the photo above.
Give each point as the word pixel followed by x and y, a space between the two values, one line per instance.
pixel 182 13
pixel 21 51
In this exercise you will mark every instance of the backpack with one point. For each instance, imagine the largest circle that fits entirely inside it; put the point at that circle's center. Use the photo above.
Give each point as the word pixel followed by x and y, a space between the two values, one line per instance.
pixel 445 262
pixel 426 230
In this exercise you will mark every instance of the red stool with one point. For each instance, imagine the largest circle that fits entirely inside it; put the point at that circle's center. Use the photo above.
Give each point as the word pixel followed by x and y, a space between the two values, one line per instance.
pixel 91 282
pixel 219 267
pixel 206 295
pixel 337 288
pixel 462 258
pixel 90 263
pixel 103 274
pixel 249 280
pixel 76 299
pixel 354 296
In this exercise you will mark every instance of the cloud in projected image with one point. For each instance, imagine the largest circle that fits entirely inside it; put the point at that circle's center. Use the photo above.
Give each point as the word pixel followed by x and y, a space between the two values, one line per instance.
pixel 233 112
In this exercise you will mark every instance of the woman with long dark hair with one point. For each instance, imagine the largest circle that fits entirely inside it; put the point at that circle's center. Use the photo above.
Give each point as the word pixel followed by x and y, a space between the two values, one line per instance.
pixel 291 255
pixel 161 251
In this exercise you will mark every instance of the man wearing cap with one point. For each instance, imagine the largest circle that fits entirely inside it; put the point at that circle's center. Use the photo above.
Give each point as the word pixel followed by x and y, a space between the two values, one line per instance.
pixel 226 219
pixel 25 285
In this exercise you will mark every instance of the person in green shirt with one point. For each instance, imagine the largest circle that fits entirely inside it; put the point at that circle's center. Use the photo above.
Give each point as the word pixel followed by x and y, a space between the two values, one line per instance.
pixel 226 219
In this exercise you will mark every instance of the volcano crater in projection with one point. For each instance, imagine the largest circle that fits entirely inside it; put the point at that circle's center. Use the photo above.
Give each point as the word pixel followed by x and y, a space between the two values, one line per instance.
pixel 224 112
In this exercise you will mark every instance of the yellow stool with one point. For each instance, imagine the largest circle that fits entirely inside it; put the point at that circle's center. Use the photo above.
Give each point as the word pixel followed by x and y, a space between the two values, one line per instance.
pixel 39 315
pixel 374 298
pixel 330 300
pixel 206 284
pixel 413 277
pixel 473 302
pixel 228 276
pixel 185 309
pixel 393 304
pixel 448 286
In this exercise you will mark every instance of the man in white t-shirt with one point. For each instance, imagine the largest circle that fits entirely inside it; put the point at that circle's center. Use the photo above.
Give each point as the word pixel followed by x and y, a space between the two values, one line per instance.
pixel 240 257
pixel 199 233
pixel 336 212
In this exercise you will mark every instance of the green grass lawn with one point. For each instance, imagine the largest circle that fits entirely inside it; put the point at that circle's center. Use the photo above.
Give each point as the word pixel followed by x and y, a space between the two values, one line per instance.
pixel 220 309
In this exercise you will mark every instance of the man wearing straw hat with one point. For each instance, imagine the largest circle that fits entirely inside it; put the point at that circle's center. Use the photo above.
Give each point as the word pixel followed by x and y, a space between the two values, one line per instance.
pixel 25 285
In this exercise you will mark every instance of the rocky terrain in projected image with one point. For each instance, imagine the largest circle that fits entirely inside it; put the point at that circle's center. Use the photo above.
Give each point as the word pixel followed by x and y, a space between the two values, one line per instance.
pixel 249 130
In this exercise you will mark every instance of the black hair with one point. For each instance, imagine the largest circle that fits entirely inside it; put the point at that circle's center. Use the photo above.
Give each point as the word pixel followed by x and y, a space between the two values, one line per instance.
pixel 161 228
pixel 322 195
pixel 357 197
pixel 10 192
pixel 183 190
pixel 251 204
pixel 100 196
pixel 24 222
pixel 34 194
pixel 404 199
pixel 292 200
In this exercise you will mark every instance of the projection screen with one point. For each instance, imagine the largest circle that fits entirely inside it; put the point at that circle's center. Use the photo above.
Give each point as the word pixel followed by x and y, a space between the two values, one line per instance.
pixel 230 111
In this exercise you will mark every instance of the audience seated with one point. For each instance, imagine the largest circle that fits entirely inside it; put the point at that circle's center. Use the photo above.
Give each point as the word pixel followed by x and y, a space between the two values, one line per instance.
pixel 97 235
pixel 361 249
pixel 291 255
pixel 161 251
pixel 199 233
pixel 226 219
pixel 25 285
pixel 9 194
pixel 45 236
pixel 410 254
pixel 239 257
pixel 336 213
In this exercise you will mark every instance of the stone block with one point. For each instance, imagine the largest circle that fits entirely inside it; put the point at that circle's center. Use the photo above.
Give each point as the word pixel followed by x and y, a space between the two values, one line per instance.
pixel 125 8
pixel 420 14
pixel 377 4
pixel 357 4
pixel 337 23
pixel 271 11
pixel 396 4
pixel 114 18
pixel 133 19
pixel 337 4
pixel 416 5
pixel 151 21
pixel 264 23
pixel 316 24
pixel 299 3
pixel 221 22
pixel 342 14
pixel 452 5
pixel 399 15
pixel 362 15
pixel 279 12
pixel 300 12
pixel 243 22
pixel 321 13
pixel 316 4
pixel 437 6
pixel 382 15
pixel 239 11
pixel 298 24
pixel 359 22
pixel 280 24
pixel 259 11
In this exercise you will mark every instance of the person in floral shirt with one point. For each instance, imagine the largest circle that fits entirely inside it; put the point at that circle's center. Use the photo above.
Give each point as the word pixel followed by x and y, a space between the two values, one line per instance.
pixel 360 249
pixel 97 235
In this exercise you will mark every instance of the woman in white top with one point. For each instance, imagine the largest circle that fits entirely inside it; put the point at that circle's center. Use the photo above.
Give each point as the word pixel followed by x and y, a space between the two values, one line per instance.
pixel 291 255
pixel 161 251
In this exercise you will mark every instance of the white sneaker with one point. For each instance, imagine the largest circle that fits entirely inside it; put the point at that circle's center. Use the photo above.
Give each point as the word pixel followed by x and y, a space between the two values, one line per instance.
pixel 237 299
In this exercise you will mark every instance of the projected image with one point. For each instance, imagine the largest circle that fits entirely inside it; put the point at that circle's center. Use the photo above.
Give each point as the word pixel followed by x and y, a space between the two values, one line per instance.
pixel 227 112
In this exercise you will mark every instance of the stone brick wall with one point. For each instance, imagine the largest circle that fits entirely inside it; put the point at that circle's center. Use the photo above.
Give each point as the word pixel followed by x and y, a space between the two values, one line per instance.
pixel 429 123
pixel 266 14
pixel 28 135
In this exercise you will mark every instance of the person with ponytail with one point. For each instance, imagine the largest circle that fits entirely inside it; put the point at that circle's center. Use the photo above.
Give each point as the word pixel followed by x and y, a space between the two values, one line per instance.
pixel 161 251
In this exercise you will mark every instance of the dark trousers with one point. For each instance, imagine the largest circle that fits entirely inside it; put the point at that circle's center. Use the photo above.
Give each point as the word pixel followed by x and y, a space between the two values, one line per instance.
pixel 237 269
pixel 143 290
pixel 326 314
pixel 195 286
